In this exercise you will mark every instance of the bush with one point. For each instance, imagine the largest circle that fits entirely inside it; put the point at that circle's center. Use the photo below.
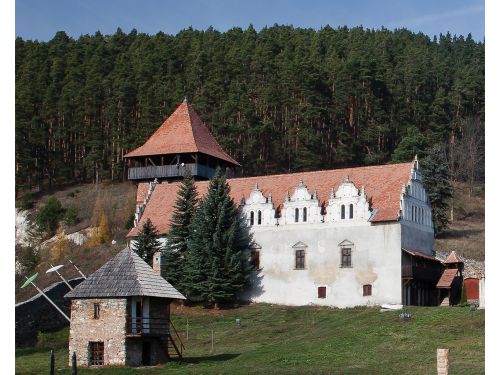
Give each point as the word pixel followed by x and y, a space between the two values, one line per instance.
pixel 130 221
pixel 49 215
pixel 29 257
pixel 26 201
pixel 71 216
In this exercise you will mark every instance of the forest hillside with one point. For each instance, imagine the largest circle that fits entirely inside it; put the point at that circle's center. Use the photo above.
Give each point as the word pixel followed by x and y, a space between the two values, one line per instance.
pixel 278 100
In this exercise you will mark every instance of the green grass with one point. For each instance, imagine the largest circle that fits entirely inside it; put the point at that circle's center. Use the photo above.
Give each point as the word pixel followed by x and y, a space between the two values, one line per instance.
pixel 303 340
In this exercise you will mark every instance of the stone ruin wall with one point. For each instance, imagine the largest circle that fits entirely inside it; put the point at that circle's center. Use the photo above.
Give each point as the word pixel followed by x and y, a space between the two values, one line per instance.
pixel 110 328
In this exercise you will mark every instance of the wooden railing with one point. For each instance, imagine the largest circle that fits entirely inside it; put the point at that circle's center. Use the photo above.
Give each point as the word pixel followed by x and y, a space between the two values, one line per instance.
pixel 163 171
pixel 148 326
pixel 179 346
pixel 421 273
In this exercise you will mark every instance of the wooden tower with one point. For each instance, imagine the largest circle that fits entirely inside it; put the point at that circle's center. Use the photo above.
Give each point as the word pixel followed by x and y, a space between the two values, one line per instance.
pixel 181 144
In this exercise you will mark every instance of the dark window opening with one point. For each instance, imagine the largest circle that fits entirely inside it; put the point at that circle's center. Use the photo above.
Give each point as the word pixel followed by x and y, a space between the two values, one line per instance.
pixel 259 218
pixel 300 259
pixel 367 290
pixel 96 353
pixel 255 259
pixel 351 211
pixel 97 311
pixel 342 212
pixel 346 257
pixel 251 217
pixel 296 215
pixel 322 292
pixel 304 214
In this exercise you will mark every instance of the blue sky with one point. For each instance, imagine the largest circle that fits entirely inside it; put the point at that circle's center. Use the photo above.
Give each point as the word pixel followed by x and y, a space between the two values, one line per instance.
pixel 41 19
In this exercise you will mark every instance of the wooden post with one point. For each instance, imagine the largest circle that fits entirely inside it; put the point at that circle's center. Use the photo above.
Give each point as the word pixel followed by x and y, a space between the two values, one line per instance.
pixel 52 362
pixel 212 340
pixel 73 364
pixel 442 361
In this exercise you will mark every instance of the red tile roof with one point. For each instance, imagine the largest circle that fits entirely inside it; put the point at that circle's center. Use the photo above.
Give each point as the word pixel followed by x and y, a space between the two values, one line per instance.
pixel 382 183
pixel 182 132
pixel 142 192
pixel 452 258
pixel 447 278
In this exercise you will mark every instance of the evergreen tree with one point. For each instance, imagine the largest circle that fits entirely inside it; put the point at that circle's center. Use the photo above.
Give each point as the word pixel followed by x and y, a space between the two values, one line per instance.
pixel 217 264
pixel 436 174
pixel 176 245
pixel 413 143
pixel 146 243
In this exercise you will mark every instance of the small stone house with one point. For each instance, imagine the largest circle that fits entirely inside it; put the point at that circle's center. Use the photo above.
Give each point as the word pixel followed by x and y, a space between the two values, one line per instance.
pixel 120 315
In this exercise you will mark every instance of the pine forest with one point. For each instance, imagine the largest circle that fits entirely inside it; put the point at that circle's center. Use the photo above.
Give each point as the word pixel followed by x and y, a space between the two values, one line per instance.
pixel 281 99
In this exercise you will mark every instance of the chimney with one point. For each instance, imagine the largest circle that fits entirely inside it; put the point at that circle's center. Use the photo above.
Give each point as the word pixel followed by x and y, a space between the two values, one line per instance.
pixel 159 263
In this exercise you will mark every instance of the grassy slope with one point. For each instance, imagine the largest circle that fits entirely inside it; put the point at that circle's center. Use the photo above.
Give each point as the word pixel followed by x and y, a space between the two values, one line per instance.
pixel 465 234
pixel 305 340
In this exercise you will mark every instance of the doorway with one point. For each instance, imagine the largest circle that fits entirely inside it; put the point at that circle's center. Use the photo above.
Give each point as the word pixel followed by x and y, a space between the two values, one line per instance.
pixel 146 353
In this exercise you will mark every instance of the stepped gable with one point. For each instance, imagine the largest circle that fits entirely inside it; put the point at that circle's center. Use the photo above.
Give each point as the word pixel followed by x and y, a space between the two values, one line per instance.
pixel 382 183
pixel 125 275
pixel 182 132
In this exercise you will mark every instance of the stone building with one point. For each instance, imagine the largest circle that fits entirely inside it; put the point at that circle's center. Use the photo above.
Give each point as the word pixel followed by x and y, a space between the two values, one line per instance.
pixel 343 237
pixel 120 315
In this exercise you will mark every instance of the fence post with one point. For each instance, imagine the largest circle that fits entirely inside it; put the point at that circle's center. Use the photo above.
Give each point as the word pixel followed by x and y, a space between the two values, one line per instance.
pixel 73 364
pixel 212 339
pixel 442 361
pixel 51 362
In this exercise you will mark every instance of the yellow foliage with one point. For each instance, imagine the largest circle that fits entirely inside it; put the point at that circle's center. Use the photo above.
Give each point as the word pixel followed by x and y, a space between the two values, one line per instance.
pixel 104 235
pixel 60 248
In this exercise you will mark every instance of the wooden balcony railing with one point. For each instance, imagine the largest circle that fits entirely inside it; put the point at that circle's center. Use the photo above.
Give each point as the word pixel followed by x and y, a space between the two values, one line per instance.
pixel 148 326
pixel 422 273
pixel 163 171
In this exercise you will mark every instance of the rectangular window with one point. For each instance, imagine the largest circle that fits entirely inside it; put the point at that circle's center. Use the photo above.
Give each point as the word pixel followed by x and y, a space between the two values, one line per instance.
pixel 254 260
pixel 300 259
pixel 96 350
pixel 304 214
pixel 351 211
pixel 322 292
pixel 342 212
pixel 346 257
pixel 97 310
pixel 296 215
pixel 367 290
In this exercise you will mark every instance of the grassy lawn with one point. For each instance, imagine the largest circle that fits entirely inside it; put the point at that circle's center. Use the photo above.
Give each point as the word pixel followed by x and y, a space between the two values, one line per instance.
pixel 302 340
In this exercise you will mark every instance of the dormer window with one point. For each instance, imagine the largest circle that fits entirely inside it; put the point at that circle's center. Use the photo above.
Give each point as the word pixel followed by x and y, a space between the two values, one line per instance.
pixel 304 214
pixel 342 212
pixel 251 217
pixel 351 211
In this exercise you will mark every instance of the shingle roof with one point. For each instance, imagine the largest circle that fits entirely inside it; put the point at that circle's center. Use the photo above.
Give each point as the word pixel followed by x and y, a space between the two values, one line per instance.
pixel 421 255
pixel 447 278
pixel 383 184
pixel 182 132
pixel 125 275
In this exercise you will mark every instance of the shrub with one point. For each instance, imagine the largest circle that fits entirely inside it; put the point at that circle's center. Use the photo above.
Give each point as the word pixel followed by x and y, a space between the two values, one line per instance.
pixel 26 201
pixel 49 215
pixel 71 216
pixel 130 221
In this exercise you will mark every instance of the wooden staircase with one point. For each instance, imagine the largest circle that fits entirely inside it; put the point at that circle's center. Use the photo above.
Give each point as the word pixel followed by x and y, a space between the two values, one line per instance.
pixel 172 343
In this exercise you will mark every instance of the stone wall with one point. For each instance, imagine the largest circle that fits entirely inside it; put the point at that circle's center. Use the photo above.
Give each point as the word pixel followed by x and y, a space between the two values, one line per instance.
pixel 110 328
pixel 38 315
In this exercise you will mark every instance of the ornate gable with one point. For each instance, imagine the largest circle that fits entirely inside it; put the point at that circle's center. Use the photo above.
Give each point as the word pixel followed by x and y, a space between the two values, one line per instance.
pixel 258 209
pixel 348 203
pixel 302 207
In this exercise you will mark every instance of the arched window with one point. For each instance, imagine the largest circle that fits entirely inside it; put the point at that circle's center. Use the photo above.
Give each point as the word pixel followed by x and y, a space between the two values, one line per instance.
pixel 296 215
pixel 351 211
pixel 251 217
pixel 259 218
pixel 342 212
pixel 304 214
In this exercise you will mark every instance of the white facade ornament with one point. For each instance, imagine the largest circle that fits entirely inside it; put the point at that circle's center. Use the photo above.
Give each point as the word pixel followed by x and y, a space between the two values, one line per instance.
pixel 348 204
pixel 301 207
pixel 257 209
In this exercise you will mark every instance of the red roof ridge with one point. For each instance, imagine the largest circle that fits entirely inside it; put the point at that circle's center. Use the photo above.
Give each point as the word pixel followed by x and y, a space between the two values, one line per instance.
pixel 182 132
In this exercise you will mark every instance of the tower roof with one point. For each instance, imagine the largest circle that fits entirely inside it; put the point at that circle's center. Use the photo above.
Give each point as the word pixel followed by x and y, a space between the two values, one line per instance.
pixel 182 132
pixel 125 275
pixel 453 258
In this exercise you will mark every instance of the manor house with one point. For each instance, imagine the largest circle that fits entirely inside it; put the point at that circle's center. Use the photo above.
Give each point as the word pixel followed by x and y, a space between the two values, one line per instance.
pixel 342 237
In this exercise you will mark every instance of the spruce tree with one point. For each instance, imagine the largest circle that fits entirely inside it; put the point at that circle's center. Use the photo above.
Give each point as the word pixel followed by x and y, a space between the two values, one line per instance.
pixel 146 244
pixel 176 245
pixel 217 264
pixel 437 184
